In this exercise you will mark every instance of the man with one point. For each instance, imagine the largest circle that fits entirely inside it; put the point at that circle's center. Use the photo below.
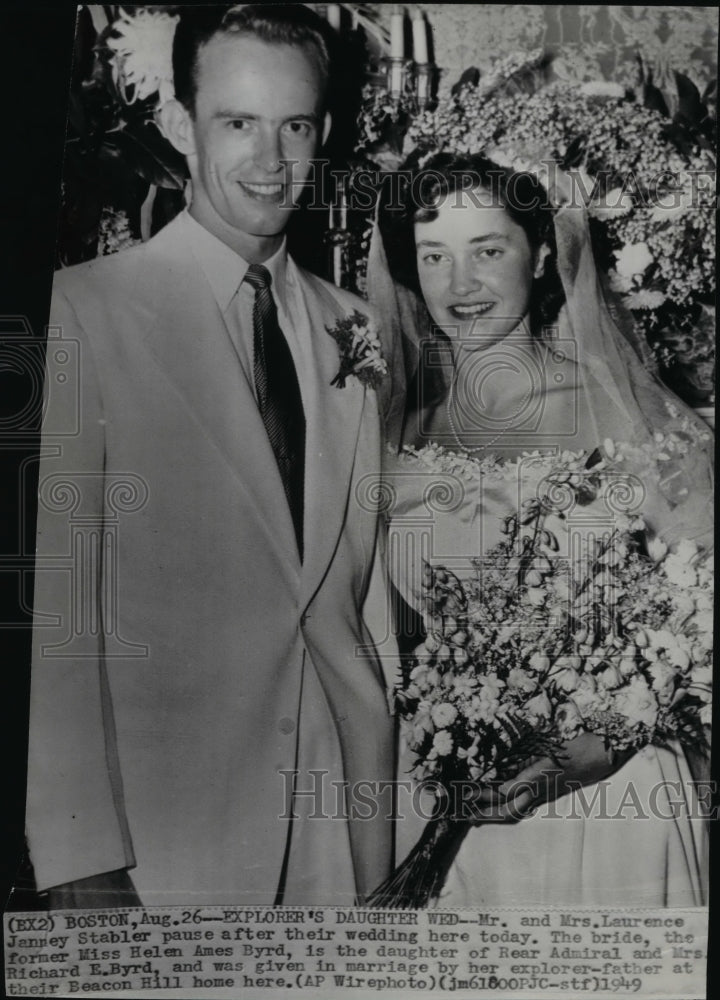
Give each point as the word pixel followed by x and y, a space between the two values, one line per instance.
pixel 223 656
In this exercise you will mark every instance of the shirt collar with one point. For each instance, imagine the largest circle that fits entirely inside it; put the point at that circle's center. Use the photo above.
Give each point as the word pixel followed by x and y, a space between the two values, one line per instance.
pixel 225 269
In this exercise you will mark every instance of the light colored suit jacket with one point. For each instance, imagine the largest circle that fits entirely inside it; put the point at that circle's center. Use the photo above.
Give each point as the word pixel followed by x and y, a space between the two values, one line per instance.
pixel 173 615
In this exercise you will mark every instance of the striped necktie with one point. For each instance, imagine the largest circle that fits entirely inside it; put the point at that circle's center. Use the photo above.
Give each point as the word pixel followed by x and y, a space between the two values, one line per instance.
pixel 278 395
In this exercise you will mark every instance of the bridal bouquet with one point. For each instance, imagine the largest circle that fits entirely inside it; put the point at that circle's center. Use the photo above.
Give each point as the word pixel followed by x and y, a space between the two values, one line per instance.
pixel 573 620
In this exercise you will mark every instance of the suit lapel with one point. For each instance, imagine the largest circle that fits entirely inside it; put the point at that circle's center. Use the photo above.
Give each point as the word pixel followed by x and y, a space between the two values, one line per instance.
pixel 193 348
pixel 332 440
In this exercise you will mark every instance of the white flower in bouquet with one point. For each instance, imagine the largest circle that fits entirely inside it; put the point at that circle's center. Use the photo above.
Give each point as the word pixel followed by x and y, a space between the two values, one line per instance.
pixel 565 676
pixel 442 744
pixel 568 720
pixel 679 568
pixel 142 42
pixel 611 676
pixel 444 714
pixel 539 662
pixel 483 706
pixel 637 702
pixel 674 648
pixel 663 676
pixel 627 661
pixel 520 680
pixel 510 672
pixel 656 549
pixel 686 550
pixel 464 687
pixel 587 696
pixel 538 708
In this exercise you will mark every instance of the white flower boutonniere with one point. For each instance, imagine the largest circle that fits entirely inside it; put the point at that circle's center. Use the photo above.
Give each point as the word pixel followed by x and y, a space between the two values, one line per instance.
pixel 360 353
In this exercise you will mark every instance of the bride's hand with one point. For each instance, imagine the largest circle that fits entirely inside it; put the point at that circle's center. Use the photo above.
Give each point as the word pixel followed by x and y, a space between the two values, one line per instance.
pixel 584 760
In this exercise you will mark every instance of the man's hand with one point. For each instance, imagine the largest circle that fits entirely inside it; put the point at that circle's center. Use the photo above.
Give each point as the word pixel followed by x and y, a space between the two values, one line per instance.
pixel 584 760
pixel 110 890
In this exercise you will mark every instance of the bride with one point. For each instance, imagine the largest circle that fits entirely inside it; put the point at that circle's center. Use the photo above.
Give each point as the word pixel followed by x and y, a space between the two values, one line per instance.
pixel 500 342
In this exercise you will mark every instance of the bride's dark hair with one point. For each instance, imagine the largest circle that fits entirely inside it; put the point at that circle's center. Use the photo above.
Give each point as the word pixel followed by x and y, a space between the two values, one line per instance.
pixel 421 190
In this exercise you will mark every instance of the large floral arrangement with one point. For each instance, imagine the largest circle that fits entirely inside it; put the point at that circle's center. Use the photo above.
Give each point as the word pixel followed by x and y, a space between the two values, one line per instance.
pixel 649 180
pixel 651 176
pixel 549 634
pixel 122 179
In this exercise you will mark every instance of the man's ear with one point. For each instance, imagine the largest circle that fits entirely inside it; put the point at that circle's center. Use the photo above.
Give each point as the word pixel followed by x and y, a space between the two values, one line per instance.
pixel 540 256
pixel 327 125
pixel 177 126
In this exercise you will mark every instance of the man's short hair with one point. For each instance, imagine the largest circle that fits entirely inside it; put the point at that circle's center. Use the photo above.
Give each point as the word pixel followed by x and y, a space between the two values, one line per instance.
pixel 281 24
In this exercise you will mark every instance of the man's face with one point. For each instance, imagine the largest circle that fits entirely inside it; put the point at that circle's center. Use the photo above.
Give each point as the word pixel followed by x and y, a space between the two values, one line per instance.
pixel 257 105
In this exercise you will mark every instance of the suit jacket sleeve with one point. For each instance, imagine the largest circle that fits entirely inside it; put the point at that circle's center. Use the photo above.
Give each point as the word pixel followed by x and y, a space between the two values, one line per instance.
pixel 75 821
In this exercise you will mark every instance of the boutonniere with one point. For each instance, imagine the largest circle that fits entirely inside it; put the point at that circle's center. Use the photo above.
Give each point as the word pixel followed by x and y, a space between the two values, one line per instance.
pixel 360 353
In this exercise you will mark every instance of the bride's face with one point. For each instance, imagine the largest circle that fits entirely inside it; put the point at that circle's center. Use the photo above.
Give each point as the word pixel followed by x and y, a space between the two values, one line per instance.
pixel 476 268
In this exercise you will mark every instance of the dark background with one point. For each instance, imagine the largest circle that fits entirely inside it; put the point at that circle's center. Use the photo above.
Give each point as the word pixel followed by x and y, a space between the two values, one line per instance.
pixel 34 72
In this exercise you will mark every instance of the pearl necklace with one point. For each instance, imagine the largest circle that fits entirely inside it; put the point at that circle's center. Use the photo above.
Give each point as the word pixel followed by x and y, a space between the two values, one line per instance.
pixel 482 447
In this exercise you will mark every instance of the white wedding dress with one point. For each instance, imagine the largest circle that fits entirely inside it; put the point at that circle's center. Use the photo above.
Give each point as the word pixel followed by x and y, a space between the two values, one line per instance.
pixel 651 850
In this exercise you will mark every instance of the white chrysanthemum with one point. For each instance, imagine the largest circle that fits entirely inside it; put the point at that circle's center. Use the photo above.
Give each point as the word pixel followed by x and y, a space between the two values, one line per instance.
pixel 463 687
pixel 442 744
pixel 444 714
pixel 142 43
pixel 634 258
pixel 644 299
